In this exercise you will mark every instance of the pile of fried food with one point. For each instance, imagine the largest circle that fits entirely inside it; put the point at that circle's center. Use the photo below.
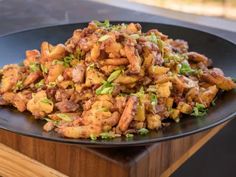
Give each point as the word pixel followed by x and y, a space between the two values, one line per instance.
pixel 112 80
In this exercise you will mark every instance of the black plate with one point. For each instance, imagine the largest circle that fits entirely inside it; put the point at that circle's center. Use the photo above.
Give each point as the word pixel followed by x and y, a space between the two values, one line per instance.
pixel 221 51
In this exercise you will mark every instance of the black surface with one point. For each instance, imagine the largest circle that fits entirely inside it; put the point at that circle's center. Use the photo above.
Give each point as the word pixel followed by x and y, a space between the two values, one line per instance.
pixel 217 48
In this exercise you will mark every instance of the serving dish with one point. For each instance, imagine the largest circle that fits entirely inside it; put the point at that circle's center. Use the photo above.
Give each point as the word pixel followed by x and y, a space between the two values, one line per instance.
pixel 222 52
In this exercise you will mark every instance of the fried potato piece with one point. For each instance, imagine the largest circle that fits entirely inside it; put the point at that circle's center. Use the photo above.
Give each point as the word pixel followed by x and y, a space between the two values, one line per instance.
pixel 10 77
pixel 32 56
pixel 93 77
pixel 163 90
pixel 115 61
pixel 153 121
pixel 207 95
pixel 184 108
pixel 124 79
pixel 40 105
pixel 31 78
pixel 134 58
pixel 214 77
pixel 54 72
pixel 80 131
pixel 50 52
pixel 128 114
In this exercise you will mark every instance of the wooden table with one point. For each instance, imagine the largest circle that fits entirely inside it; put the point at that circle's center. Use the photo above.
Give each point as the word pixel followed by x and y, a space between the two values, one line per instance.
pixel 25 156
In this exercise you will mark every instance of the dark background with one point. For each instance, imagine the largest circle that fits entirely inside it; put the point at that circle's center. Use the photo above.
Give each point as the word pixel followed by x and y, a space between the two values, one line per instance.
pixel 217 158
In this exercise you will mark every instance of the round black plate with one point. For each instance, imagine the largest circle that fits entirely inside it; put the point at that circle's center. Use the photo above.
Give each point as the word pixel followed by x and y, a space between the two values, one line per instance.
pixel 222 52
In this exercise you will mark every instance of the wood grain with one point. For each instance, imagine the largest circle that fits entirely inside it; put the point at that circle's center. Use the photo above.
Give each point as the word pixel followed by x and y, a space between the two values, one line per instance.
pixel 14 163
pixel 160 159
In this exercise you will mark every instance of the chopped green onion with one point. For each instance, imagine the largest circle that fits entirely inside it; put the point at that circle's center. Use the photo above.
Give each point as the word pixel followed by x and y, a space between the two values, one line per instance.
pixel 64 117
pixel 19 85
pixel 107 135
pixel 34 67
pixel 153 99
pixel 47 101
pixel 105 24
pixel 103 38
pixel 68 59
pixel 51 84
pixel 55 122
pixel 135 36
pixel 39 84
pixel 140 93
pixel 186 69
pixel 129 135
pixel 79 53
pixel 143 131
pixel 106 88
pixel 44 69
pixel 199 110
pixel 91 66
pixel 114 75
pixel 93 137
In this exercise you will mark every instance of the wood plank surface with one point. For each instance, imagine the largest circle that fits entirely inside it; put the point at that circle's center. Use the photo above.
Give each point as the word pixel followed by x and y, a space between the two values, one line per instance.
pixel 160 159
pixel 13 163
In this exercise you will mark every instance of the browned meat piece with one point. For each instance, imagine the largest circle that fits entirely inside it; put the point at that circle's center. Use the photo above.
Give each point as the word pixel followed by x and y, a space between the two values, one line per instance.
pixel 180 46
pixel 114 61
pixel 48 126
pixel 32 56
pixel 128 114
pixel 50 53
pixel 133 57
pixel 95 52
pixel 66 106
pixel 78 73
pixel 62 94
pixel 196 57
pixel 216 77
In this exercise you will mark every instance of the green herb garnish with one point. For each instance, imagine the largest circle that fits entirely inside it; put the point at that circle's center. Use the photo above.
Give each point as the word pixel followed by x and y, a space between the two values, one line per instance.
pixel 19 85
pixel 129 135
pixel 47 101
pixel 114 75
pixel 39 84
pixel 64 117
pixel 103 38
pixel 34 67
pixel 93 137
pixel 199 110
pixel 68 59
pixel 105 24
pixel 135 36
pixel 185 69
pixel 51 84
pixel 143 131
pixel 107 135
pixel 44 69
pixel 105 88
pixel 153 99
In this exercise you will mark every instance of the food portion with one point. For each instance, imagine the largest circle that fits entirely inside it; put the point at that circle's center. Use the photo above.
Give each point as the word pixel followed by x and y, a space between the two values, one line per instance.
pixel 112 80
